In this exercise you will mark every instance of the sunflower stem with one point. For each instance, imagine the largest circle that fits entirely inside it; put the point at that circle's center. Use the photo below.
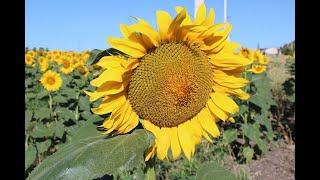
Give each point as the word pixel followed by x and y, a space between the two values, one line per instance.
pixel 150 172
pixel 50 102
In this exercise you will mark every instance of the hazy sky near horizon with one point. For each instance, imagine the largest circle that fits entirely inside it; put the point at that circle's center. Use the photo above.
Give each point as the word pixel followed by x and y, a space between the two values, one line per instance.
pixel 85 24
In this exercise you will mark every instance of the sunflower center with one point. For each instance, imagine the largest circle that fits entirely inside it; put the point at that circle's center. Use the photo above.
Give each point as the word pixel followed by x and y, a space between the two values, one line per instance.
pixel 66 64
pixel 51 80
pixel 171 84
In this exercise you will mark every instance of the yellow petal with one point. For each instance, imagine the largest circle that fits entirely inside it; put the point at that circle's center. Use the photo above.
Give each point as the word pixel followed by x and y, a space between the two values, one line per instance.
pixel 146 29
pixel 229 61
pixel 201 14
pixel 210 18
pixel 127 46
pixel 224 102
pixel 163 143
pixel 134 121
pixel 229 81
pixel 196 129
pixel 216 110
pixel 207 122
pixel 235 92
pixel 175 145
pixel 109 105
pixel 108 75
pixel 187 20
pixel 112 62
pixel 184 139
pixel 151 151
pixel 151 127
pixel 119 119
pixel 231 119
pixel 212 42
pixel 175 24
pixel 163 23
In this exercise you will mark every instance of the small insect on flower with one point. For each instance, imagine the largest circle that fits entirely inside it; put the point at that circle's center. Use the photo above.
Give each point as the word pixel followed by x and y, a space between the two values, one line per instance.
pixel 257 69
pixel 179 79
pixel 51 81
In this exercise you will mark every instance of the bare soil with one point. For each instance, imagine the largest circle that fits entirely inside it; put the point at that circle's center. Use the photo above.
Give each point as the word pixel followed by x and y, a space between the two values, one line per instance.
pixel 277 164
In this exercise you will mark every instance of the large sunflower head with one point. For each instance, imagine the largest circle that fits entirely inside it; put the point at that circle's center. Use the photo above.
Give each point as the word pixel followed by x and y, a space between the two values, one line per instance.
pixel 179 79
pixel 51 81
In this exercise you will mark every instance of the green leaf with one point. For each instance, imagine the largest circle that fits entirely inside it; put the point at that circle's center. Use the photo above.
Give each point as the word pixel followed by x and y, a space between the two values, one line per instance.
pixel 263 120
pixel 69 93
pixel 65 114
pixel 31 95
pixel 59 129
pixel 42 94
pixel 229 136
pixel 60 99
pixel 85 115
pixel 213 171
pixel 248 153
pixel 42 113
pixel 27 116
pixel 40 131
pixel 30 156
pixel 263 145
pixel 251 131
pixel 84 103
pixel 94 156
pixel 243 108
pixel 43 146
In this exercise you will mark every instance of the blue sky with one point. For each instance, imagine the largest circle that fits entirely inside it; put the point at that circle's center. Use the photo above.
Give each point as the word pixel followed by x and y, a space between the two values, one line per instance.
pixel 85 24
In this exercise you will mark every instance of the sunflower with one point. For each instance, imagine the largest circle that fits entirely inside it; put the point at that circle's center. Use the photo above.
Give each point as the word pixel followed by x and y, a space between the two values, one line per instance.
pixel 178 80
pixel 66 65
pixel 83 70
pixel 44 63
pixel 28 59
pixel 258 69
pixel 51 81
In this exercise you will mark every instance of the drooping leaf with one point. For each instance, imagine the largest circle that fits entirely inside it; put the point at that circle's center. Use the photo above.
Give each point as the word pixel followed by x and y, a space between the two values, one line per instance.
pixel 42 113
pixel 40 131
pixel 94 156
pixel 65 113
pixel 229 136
pixel 60 99
pixel 84 103
pixel 42 94
pixel 248 153
pixel 213 171
pixel 30 156
pixel 43 146
pixel 27 116
pixel 59 129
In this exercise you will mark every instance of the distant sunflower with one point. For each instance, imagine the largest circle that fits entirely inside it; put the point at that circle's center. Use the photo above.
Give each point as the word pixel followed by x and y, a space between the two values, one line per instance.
pixel 83 70
pixel 28 59
pixel 51 81
pixel 178 79
pixel 257 69
pixel 66 65
pixel 43 64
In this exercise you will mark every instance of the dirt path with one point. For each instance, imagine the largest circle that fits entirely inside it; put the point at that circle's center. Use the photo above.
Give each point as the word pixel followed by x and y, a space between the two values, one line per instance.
pixel 277 164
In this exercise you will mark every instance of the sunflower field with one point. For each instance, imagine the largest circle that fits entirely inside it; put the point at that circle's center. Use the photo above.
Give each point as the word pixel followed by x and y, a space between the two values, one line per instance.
pixel 177 102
